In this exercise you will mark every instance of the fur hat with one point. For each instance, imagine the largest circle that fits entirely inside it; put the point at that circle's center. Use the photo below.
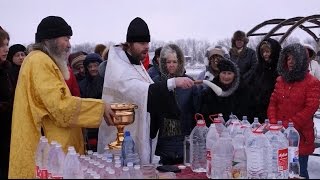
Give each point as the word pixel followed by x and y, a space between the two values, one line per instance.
pixel 239 35
pixel 311 51
pixel 14 49
pixel 300 68
pixel 52 27
pixel 138 31
pixel 90 58
pixel 227 65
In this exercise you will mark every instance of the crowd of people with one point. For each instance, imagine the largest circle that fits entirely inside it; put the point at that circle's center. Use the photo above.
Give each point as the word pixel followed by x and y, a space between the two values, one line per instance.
pixel 47 90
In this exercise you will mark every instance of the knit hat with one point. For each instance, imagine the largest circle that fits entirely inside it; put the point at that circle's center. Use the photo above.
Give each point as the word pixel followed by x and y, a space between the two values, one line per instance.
pixel 90 58
pixel 226 65
pixel 77 60
pixel 52 27
pixel 14 49
pixel 138 31
pixel 215 51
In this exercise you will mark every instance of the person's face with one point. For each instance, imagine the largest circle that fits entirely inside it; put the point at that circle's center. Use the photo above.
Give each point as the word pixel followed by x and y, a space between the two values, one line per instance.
pixel 239 43
pixel 139 50
pixel 4 49
pixel 60 47
pixel 214 60
pixel 226 77
pixel 266 53
pixel 18 58
pixel 93 68
pixel 290 62
pixel 80 69
pixel 172 63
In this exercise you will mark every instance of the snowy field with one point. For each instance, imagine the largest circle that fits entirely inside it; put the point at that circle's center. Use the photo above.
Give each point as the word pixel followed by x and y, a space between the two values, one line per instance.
pixel 314 161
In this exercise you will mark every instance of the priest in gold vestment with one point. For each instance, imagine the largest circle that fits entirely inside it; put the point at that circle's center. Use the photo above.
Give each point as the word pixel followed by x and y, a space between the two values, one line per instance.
pixel 43 100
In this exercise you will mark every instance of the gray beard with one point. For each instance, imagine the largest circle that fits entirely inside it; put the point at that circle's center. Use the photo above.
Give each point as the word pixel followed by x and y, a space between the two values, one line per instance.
pixel 60 58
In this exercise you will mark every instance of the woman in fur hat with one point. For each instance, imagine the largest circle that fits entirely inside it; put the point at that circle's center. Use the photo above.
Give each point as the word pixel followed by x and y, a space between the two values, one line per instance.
pixel 264 78
pixel 243 56
pixel 234 98
pixel 176 120
pixel 296 98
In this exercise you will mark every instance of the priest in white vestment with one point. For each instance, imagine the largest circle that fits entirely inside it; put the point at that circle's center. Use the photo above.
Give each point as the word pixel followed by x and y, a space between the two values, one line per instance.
pixel 127 81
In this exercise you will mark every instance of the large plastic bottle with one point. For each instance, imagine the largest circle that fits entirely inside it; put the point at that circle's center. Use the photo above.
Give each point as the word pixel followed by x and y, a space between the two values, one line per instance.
pixel 265 126
pixel 239 166
pixel 127 147
pixel 211 140
pixel 51 154
pixel 257 151
pixel 222 156
pixel 198 146
pixel 42 158
pixel 279 122
pixel 278 153
pixel 293 138
pixel 255 123
pixel 38 156
pixel 72 167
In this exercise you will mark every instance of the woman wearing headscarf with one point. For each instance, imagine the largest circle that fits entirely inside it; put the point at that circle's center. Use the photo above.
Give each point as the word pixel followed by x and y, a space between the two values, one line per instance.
pixel 175 120
pixel 16 55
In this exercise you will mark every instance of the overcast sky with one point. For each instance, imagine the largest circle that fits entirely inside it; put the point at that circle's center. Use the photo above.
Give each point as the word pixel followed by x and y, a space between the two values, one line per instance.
pixel 100 21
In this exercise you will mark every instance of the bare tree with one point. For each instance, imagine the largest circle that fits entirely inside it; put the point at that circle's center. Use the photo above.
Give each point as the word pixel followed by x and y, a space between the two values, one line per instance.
pixel 86 47
pixel 226 42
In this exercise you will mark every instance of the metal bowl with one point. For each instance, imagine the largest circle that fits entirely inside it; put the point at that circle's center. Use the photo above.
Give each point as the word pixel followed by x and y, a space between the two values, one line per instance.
pixel 125 113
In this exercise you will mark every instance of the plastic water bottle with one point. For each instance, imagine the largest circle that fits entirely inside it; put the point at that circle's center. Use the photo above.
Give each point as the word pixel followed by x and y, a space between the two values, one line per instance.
pixel 72 167
pixel 57 162
pixel 294 138
pixel 51 153
pixel 234 126
pixel 137 172
pixel 218 124
pixel 38 156
pixel 198 146
pixel 255 123
pixel 127 147
pixel 125 173
pixel 278 152
pixel 265 126
pixel 42 158
pixel 279 122
pixel 239 163
pixel 257 150
pixel 222 156
pixel 211 139
pixel 220 117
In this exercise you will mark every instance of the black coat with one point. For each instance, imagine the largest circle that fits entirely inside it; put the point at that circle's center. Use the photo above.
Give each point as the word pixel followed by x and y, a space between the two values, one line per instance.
pixel 263 81
pixel 6 106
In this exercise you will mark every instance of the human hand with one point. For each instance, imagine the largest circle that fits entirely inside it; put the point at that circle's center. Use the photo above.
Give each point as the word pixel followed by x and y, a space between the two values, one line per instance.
pixel 109 114
pixel 184 82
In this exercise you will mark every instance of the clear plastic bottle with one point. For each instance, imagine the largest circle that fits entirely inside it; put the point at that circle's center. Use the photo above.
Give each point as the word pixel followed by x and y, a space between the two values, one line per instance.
pixel 127 147
pixel 211 140
pixel 43 158
pixel 72 167
pixel 220 117
pixel 293 138
pixel 218 124
pixel 38 156
pixel 258 159
pixel 198 146
pixel 137 172
pixel 222 155
pixel 186 151
pixel 112 174
pixel 279 122
pixel 57 165
pixel 125 173
pixel 265 126
pixel 278 152
pixel 239 164
pixel 256 124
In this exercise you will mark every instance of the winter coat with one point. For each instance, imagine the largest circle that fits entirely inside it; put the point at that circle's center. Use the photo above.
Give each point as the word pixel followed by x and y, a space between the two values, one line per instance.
pixel 154 70
pixel 176 120
pixel 234 101
pixel 6 103
pixel 246 61
pixel 296 97
pixel 263 81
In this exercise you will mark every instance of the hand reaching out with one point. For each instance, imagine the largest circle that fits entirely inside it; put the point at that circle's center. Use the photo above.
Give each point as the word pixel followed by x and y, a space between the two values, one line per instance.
pixel 184 82
pixel 109 114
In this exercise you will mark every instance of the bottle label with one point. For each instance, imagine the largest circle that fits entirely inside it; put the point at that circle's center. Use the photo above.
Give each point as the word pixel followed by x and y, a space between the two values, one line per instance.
pixel 293 154
pixel 282 159
pixel 43 174
pixel 208 154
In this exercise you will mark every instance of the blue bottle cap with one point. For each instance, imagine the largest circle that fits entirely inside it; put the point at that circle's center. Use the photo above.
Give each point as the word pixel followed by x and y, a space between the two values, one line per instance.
pixel 127 133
